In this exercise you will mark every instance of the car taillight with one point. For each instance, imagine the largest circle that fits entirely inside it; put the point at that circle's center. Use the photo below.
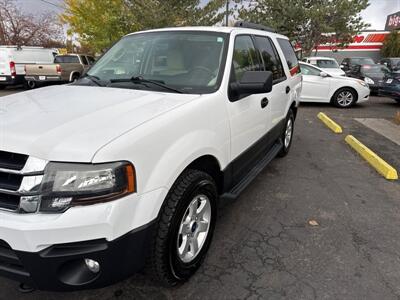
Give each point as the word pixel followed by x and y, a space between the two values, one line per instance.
pixel 12 69
pixel 58 68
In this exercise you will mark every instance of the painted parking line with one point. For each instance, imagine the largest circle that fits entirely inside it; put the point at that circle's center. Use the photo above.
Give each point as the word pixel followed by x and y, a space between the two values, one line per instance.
pixel 332 125
pixel 381 166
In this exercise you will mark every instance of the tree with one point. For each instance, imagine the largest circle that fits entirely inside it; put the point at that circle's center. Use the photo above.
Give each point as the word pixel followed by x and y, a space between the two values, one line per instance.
pixel 100 23
pixel 18 28
pixel 391 45
pixel 309 22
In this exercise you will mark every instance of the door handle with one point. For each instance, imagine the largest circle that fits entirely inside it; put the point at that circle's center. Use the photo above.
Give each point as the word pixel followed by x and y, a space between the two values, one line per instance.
pixel 287 90
pixel 264 102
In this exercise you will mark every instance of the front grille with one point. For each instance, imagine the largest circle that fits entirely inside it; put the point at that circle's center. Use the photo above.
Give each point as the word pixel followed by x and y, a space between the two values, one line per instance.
pixel 10 182
pixel 9 261
pixel 12 161
pixel 9 202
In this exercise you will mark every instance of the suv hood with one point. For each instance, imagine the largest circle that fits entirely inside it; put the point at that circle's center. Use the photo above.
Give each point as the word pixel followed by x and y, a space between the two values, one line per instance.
pixel 70 123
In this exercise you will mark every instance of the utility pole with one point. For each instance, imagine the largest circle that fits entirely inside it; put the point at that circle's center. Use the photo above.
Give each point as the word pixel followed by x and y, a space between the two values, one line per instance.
pixel 227 13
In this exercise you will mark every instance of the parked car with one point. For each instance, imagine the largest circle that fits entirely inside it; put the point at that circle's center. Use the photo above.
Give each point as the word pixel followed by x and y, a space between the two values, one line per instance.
pixel 392 63
pixel 126 165
pixel 391 87
pixel 349 62
pixel 14 58
pixel 374 75
pixel 327 64
pixel 319 86
pixel 64 68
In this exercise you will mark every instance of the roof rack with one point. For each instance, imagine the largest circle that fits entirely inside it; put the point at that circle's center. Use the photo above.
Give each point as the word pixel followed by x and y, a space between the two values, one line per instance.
pixel 244 24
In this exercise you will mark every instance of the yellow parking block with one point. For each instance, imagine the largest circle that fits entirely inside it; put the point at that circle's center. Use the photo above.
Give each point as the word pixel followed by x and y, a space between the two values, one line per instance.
pixel 330 123
pixel 381 166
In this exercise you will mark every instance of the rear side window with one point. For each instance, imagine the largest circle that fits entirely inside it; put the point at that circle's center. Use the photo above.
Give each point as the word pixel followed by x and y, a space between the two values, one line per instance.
pixel 245 57
pixel 270 57
pixel 290 56
pixel 66 59
pixel 84 60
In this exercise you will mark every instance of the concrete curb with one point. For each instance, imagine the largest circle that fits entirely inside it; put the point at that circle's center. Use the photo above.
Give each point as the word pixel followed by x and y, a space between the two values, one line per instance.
pixel 330 123
pixel 381 166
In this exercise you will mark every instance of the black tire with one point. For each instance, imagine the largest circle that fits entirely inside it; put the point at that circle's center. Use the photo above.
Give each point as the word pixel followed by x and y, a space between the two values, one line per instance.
pixel 30 85
pixel 286 146
pixel 397 100
pixel 2 87
pixel 338 100
pixel 166 267
pixel 75 77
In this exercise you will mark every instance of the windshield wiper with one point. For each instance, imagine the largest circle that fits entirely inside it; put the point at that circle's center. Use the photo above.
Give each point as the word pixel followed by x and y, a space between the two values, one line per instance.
pixel 94 79
pixel 141 80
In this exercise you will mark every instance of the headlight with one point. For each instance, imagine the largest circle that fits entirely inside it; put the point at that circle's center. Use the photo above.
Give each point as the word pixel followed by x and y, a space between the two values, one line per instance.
pixel 363 83
pixel 66 184
pixel 368 80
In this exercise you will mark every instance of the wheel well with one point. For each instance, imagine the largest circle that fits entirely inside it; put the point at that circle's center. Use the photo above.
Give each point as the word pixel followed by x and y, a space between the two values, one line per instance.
pixel 345 87
pixel 294 108
pixel 210 165
pixel 73 74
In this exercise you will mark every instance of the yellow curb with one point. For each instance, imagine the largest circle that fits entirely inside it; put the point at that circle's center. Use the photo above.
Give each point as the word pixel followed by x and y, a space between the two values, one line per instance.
pixel 381 166
pixel 330 123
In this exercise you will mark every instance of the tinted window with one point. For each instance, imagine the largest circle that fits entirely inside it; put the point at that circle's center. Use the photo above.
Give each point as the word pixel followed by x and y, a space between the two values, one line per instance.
pixel 307 70
pixel 289 53
pixel 270 57
pixel 244 56
pixel 91 60
pixel 84 60
pixel 66 59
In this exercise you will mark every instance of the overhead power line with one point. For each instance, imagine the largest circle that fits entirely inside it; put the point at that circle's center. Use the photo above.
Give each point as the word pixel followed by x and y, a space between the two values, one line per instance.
pixel 53 4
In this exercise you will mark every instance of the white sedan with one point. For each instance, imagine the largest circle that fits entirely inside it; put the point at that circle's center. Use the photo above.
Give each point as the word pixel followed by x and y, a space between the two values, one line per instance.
pixel 319 86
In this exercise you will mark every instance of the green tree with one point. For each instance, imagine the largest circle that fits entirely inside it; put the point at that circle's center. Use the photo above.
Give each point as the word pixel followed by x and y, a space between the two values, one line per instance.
pixel 309 22
pixel 99 23
pixel 391 45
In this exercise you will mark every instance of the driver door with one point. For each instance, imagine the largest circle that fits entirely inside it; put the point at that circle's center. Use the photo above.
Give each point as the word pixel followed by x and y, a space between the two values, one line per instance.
pixel 315 87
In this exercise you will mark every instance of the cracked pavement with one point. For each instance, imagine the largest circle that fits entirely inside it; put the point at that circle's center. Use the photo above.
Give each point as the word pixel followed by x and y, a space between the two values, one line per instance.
pixel 264 247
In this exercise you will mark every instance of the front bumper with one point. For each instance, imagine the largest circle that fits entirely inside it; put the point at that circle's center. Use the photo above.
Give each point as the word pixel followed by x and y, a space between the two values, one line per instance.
pixel 62 267
pixel 391 91
pixel 42 249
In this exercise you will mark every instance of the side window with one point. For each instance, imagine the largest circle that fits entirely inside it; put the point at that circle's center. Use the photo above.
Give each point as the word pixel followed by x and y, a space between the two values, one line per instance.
pixel 91 60
pixel 270 57
pixel 84 60
pixel 289 54
pixel 307 70
pixel 244 57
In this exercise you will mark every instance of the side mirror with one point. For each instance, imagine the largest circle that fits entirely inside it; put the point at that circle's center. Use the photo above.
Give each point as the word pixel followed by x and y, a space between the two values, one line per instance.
pixel 323 74
pixel 252 82
pixel 342 67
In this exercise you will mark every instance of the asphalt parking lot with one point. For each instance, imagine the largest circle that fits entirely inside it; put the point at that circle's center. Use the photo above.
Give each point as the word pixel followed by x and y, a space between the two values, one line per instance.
pixel 264 246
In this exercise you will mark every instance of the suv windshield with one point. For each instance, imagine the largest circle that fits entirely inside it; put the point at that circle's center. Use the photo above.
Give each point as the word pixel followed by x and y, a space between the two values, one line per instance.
pixel 188 61
pixel 374 70
pixel 362 61
pixel 327 64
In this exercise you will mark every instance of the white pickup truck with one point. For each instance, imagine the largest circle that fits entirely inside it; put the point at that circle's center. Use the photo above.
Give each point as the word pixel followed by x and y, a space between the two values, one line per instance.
pixel 124 167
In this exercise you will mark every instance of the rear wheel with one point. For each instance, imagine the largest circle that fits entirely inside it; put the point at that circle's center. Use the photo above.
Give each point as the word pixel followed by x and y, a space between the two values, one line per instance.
pixel 30 84
pixel 344 98
pixel 75 77
pixel 287 134
pixel 185 228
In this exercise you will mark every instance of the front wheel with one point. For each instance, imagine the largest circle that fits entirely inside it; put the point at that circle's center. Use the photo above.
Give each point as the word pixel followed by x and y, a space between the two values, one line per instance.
pixel 287 134
pixel 185 228
pixel 344 98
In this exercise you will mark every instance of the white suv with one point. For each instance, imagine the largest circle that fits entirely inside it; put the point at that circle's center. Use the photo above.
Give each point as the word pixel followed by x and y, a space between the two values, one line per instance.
pixel 127 164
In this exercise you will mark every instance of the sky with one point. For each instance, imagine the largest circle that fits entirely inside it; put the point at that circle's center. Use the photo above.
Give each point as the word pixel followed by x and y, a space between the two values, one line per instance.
pixel 375 14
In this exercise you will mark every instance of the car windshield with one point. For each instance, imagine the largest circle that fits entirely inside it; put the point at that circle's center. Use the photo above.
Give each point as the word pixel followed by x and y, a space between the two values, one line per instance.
pixel 327 64
pixel 374 70
pixel 362 61
pixel 188 61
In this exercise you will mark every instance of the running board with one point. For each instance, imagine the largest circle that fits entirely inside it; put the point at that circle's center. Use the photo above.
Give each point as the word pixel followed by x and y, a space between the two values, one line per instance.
pixel 241 185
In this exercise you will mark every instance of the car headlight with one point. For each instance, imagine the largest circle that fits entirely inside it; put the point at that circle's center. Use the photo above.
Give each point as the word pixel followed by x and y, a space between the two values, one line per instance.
pixel 368 80
pixel 68 184
pixel 363 83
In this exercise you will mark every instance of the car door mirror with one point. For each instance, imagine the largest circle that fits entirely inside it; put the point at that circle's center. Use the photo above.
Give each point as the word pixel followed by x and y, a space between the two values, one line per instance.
pixel 323 74
pixel 252 82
